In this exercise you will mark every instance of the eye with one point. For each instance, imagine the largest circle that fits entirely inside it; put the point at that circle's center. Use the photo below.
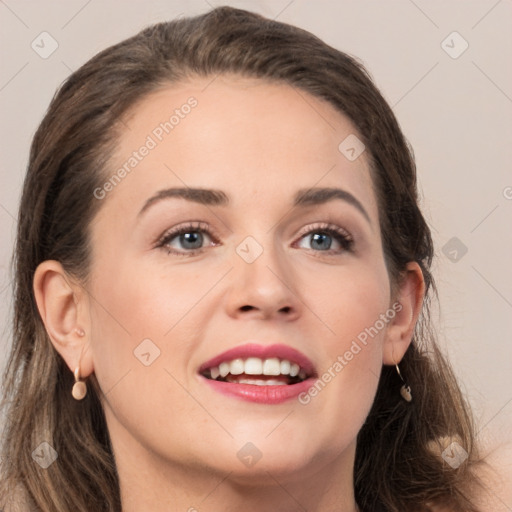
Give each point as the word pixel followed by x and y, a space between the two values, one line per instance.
pixel 186 240
pixel 322 237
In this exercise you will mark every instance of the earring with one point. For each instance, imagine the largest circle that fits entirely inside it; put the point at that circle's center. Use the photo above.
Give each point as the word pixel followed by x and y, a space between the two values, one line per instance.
pixel 79 387
pixel 405 390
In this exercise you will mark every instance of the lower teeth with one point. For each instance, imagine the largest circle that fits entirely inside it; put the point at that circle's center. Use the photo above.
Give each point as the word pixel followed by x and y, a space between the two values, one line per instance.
pixel 256 382
pixel 239 379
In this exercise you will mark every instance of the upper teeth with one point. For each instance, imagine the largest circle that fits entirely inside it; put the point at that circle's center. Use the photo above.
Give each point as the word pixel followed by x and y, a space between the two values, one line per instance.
pixel 257 366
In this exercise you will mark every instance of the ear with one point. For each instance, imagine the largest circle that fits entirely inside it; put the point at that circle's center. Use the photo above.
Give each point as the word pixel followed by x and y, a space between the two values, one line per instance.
pixel 407 306
pixel 64 308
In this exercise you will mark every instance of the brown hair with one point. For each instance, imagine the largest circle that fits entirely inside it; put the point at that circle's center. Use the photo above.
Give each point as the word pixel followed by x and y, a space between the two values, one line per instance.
pixel 398 464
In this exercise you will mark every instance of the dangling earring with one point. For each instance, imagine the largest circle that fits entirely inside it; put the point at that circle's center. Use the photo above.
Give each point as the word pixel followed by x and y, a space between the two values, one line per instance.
pixel 79 387
pixel 405 390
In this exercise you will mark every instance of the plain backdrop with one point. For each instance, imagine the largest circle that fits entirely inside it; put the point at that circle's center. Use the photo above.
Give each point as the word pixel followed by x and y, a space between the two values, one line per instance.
pixel 445 67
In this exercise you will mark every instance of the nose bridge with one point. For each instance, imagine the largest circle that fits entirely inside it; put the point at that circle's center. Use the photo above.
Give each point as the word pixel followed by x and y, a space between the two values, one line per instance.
pixel 262 276
pixel 257 256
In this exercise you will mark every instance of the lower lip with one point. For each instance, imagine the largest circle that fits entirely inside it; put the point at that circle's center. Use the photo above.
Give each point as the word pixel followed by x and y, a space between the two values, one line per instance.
pixel 261 394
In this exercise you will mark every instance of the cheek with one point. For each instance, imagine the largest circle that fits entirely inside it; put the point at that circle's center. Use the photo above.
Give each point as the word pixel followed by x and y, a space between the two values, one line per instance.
pixel 141 346
pixel 144 319
pixel 136 302
pixel 349 301
pixel 351 349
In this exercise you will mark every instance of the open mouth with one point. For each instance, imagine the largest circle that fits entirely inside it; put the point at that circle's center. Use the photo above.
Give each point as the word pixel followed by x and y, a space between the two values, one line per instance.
pixel 260 372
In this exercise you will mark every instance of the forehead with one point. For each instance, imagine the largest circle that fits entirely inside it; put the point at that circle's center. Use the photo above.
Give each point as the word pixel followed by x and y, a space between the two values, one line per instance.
pixel 249 137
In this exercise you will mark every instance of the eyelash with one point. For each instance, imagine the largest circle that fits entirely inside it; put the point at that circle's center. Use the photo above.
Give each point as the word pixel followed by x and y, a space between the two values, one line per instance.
pixel 202 227
pixel 340 235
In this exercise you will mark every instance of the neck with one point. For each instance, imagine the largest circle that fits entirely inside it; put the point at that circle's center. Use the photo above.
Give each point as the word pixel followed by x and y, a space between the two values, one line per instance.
pixel 150 483
pixel 220 493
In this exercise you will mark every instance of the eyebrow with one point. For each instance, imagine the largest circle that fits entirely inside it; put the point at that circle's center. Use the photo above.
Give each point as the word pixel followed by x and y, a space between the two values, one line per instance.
pixel 212 197
pixel 314 196
pixel 197 195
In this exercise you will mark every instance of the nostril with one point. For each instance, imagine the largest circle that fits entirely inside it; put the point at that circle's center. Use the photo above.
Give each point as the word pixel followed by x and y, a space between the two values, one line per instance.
pixel 246 308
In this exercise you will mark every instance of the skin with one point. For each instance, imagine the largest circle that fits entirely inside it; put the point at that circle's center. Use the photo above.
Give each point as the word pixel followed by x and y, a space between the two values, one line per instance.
pixel 175 439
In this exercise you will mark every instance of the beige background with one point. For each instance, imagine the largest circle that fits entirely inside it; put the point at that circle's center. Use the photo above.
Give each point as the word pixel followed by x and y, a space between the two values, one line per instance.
pixel 455 108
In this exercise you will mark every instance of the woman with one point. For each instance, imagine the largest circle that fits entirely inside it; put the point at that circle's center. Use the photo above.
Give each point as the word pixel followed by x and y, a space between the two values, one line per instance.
pixel 223 286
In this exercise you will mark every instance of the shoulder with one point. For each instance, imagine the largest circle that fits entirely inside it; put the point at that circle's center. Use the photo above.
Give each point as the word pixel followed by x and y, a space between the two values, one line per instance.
pixel 495 474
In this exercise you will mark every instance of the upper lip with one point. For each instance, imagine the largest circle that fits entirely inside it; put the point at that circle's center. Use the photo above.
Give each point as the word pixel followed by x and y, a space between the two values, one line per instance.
pixel 247 350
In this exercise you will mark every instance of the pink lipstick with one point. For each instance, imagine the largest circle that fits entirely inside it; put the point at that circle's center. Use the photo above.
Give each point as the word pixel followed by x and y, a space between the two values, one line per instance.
pixel 268 374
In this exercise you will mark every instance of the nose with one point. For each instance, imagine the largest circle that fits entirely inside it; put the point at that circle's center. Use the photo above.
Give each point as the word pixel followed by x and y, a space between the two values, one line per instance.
pixel 264 288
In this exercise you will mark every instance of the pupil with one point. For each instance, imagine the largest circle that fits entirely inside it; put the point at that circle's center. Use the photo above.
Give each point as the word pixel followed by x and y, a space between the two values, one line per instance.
pixel 194 238
pixel 320 238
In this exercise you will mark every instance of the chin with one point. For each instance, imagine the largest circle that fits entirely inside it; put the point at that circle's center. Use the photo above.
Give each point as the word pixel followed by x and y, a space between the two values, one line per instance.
pixel 265 461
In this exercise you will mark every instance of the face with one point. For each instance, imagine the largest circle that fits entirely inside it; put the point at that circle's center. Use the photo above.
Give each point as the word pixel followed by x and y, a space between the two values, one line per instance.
pixel 260 272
